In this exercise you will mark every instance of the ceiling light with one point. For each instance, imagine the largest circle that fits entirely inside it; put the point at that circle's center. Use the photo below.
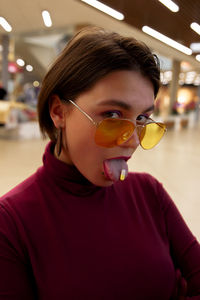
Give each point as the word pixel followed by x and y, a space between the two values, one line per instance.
pixel 29 68
pixel 197 80
pixel 185 66
pixel 195 47
pixel 106 9
pixel 181 75
pixel 196 27
pixel 198 57
pixel 181 81
pixel 168 75
pixel 188 81
pixel 190 76
pixel 20 62
pixel 170 4
pixel 165 81
pixel 5 24
pixel 46 18
pixel 163 38
pixel 36 83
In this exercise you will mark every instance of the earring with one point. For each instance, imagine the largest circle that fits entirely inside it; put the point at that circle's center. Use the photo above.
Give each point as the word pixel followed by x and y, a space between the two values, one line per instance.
pixel 59 142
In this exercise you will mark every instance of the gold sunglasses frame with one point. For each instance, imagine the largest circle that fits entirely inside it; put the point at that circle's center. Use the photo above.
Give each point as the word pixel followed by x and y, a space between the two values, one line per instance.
pixel 137 127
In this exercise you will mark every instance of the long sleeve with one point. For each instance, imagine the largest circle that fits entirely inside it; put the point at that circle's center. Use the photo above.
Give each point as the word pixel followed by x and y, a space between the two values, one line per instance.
pixel 185 249
pixel 15 275
pixel 75 241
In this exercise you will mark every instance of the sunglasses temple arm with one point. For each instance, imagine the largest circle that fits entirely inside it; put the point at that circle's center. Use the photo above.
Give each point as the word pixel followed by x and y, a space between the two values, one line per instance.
pixel 157 123
pixel 82 112
pixel 161 126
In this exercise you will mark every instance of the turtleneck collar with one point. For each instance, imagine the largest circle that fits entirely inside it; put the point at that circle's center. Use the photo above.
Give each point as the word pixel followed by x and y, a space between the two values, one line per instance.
pixel 66 176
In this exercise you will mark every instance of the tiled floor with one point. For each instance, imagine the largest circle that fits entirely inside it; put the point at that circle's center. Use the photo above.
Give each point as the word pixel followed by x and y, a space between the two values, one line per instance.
pixel 175 162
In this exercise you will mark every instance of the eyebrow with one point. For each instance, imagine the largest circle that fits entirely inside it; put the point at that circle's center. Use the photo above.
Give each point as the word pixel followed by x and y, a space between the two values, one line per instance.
pixel 150 108
pixel 123 105
pixel 116 103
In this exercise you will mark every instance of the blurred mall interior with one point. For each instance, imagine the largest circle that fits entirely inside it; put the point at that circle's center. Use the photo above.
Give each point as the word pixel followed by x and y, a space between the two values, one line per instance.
pixel 28 47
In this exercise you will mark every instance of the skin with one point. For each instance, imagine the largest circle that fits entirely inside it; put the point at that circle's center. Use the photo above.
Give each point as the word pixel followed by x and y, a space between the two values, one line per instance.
pixel 131 89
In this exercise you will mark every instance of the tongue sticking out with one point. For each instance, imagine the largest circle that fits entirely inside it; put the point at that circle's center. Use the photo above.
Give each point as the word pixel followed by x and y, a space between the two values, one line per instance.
pixel 115 169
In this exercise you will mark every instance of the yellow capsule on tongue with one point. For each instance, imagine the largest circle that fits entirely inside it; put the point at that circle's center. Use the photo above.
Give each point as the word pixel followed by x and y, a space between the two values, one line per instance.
pixel 123 174
pixel 115 169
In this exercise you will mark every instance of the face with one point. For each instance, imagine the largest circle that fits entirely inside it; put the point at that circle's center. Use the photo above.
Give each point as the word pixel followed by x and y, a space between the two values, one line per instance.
pixel 121 94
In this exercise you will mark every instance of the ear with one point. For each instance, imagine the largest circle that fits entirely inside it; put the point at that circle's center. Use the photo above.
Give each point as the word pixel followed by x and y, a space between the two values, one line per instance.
pixel 57 111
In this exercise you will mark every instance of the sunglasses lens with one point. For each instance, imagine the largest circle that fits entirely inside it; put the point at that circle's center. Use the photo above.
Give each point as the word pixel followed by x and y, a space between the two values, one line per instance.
pixel 113 132
pixel 151 134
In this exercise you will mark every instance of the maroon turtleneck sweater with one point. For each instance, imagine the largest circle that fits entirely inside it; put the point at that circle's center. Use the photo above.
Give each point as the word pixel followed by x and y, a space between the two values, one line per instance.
pixel 63 238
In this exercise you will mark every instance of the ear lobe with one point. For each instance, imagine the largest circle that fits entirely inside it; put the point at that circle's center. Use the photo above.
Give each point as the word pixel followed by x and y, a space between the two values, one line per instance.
pixel 57 111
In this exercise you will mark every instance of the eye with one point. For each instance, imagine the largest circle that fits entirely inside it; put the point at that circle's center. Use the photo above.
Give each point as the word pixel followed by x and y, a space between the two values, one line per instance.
pixel 141 119
pixel 112 114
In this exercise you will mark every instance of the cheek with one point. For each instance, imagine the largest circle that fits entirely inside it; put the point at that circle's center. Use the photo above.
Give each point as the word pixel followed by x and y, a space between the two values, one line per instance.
pixel 85 154
pixel 79 133
pixel 80 142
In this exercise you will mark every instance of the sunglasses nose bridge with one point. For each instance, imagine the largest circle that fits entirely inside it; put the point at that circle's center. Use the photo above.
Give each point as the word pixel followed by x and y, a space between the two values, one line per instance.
pixel 139 129
pixel 133 140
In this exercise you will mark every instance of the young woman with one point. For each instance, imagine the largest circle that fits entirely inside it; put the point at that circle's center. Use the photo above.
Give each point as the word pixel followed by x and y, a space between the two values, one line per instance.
pixel 82 227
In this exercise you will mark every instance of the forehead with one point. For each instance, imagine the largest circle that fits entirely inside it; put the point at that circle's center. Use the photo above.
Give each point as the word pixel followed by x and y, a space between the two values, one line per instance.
pixel 130 87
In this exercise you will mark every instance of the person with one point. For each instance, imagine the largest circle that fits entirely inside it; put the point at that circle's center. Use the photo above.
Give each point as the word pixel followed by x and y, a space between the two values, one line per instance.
pixel 82 226
pixel 3 93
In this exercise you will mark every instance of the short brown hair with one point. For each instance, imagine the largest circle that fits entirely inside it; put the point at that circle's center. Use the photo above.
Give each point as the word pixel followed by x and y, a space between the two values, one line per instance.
pixel 90 55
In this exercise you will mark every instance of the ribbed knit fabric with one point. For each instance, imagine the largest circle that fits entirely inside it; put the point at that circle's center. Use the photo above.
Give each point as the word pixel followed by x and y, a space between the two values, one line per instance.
pixel 63 238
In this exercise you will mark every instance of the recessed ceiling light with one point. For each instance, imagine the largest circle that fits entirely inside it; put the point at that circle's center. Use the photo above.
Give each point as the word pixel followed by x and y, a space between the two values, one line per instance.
pixel 20 62
pixel 163 38
pixel 29 68
pixel 6 26
pixel 198 57
pixel 170 4
pixel 106 9
pixel 196 27
pixel 46 18
pixel 36 83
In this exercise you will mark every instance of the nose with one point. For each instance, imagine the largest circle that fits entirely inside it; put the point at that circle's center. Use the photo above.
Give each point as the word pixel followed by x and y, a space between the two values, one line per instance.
pixel 133 142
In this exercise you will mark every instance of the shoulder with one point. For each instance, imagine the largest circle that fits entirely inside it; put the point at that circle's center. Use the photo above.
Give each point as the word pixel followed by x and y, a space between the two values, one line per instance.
pixel 16 208
pixel 19 211
pixel 144 188
pixel 21 196
pixel 153 189
pixel 141 177
pixel 143 182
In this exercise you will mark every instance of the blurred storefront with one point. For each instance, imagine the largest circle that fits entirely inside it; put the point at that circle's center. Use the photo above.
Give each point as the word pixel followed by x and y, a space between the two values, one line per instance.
pixel 26 55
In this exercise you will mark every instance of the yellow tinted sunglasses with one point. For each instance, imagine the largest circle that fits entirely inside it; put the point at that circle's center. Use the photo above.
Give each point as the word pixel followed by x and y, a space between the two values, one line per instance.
pixel 112 132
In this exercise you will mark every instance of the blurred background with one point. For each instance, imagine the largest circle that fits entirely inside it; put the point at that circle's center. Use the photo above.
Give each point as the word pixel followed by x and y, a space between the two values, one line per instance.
pixel 32 34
